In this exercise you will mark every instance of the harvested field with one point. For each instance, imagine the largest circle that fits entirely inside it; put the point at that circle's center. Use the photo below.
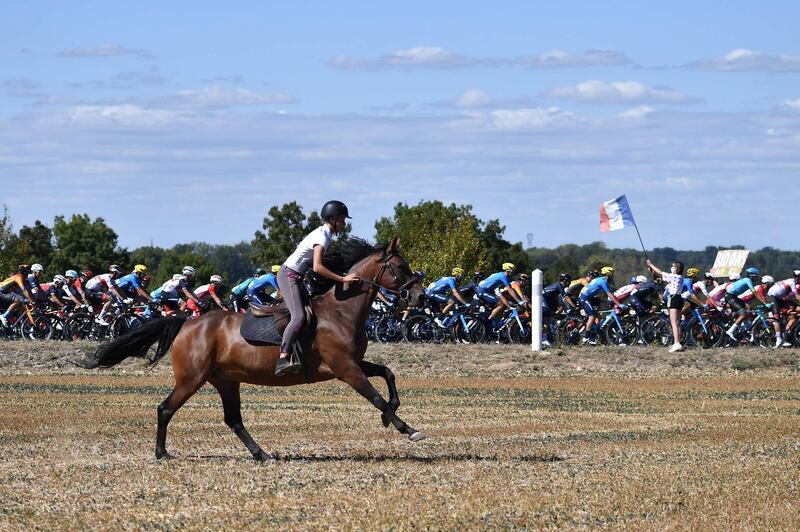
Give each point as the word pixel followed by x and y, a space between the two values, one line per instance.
pixel 579 438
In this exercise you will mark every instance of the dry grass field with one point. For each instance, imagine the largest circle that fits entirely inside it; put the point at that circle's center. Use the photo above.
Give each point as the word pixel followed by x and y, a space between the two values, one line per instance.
pixel 582 438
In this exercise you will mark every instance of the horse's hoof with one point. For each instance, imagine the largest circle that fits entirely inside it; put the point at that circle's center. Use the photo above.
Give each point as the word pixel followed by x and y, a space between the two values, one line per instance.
pixel 165 456
pixel 416 436
pixel 385 420
pixel 264 457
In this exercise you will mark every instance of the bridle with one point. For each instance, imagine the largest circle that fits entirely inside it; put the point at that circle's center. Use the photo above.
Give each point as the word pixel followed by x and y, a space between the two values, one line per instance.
pixel 403 290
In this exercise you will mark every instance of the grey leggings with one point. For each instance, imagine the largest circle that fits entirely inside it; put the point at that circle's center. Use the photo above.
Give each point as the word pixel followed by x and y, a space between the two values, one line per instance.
pixel 291 284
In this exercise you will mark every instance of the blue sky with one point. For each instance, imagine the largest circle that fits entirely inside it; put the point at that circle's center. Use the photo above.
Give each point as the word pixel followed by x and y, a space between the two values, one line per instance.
pixel 186 121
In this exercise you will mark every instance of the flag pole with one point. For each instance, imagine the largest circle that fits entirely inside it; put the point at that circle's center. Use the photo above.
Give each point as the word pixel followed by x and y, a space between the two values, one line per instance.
pixel 640 240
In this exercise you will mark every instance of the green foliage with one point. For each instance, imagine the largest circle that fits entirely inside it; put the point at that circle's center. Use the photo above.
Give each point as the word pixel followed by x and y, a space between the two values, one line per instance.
pixel 284 228
pixel 39 242
pixel 150 256
pixel 81 242
pixel 435 237
pixel 173 262
pixel 12 249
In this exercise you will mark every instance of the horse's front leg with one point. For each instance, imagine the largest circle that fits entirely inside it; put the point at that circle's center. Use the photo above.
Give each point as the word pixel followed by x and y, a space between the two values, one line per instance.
pixel 376 370
pixel 352 374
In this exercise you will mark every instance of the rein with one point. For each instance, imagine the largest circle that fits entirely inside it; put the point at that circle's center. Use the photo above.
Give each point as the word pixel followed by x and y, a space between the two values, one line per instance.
pixel 403 290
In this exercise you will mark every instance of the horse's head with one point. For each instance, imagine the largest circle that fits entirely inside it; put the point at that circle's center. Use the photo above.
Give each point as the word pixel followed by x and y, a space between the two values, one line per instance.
pixel 395 274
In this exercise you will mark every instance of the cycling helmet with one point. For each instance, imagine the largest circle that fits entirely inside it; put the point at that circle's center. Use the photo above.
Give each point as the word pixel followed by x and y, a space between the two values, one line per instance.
pixel 188 270
pixel 564 277
pixel 734 277
pixel 752 272
pixel 24 269
pixel 456 272
pixel 114 268
pixel 797 273
pixel 59 279
pixel 37 268
pixel 767 279
pixel 478 275
pixel 509 267
pixel 593 274
pixel 641 279
pixel 71 274
pixel 709 276
pixel 216 279
pixel 276 268
pixel 523 277
pixel 607 270
pixel 259 271
pixel 420 274
pixel 634 279
pixel 333 209
pixel 140 268
pixel 87 273
pixel 691 272
pixel 176 276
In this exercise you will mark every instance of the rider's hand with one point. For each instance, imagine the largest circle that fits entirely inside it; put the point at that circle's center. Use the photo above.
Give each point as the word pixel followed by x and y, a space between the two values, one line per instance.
pixel 127 300
pixel 350 278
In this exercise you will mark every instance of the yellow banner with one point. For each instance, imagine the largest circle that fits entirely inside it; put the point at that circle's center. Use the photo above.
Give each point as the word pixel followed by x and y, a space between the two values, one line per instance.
pixel 729 261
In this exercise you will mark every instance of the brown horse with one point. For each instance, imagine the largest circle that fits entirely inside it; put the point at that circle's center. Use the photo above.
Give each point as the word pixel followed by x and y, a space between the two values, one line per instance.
pixel 211 349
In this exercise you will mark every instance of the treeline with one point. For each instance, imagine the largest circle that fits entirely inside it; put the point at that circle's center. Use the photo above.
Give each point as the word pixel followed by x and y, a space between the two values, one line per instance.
pixel 577 259
pixel 434 238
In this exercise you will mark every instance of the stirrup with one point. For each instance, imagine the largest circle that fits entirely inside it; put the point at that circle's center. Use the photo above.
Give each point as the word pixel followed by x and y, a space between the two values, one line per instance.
pixel 287 365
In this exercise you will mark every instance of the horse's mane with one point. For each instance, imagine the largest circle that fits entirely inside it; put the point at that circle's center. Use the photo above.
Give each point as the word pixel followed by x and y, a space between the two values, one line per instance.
pixel 340 257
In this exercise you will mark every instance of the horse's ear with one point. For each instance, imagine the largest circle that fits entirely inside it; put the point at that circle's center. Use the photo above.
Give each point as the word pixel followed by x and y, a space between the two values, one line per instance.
pixel 394 247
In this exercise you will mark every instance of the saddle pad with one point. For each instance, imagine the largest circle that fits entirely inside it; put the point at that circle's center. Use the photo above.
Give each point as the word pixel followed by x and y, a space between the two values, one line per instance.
pixel 261 331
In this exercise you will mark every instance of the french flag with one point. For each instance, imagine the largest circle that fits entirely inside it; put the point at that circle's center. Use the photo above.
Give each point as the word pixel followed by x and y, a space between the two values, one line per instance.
pixel 615 214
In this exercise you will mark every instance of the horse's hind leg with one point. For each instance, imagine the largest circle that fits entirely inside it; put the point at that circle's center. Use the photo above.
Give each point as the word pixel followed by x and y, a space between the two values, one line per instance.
pixel 357 379
pixel 232 405
pixel 376 370
pixel 184 389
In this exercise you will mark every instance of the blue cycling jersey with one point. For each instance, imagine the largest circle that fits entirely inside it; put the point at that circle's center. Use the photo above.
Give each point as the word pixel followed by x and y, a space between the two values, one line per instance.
pixel 739 287
pixel 598 285
pixel 128 283
pixel 494 281
pixel 241 289
pixel 261 284
pixel 442 286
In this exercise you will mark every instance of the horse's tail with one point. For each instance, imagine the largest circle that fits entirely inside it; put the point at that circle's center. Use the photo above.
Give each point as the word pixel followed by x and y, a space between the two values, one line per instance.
pixel 136 343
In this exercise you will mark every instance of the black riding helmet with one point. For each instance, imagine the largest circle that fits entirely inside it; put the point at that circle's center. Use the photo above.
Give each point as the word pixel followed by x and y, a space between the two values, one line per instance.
pixel 333 209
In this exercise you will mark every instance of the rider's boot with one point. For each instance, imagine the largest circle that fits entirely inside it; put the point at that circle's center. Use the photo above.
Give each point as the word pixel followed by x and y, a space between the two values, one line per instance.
pixel 287 364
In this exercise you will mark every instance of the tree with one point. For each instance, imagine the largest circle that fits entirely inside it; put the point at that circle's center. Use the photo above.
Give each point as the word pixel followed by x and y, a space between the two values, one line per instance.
pixel 173 262
pixel 39 242
pixel 81 242
pixel 284 228
pixel 435 238
pixel 12 248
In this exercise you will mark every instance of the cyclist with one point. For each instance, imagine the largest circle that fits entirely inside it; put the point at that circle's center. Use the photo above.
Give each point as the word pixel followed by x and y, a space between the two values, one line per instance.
pixel 257 290
pixel 204 293
pixel 178 286
pixel 732 293
pixel 468 290
pixel 638 297
pixel 37 270
pixel 575 287
pixel 97 291
pixel 14 291
pixel 553 296
pixel 127 288
pixel 57 292
pixel 783 295
pixel 717 295
pixel 80 284
pixel 437 293
pixel 691 286
pixel 71 277
pixel 588 300
pixel 238 292
pixel 489 291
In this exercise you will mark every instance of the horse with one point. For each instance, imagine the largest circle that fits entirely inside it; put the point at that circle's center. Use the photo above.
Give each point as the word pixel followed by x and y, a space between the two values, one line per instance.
pixel 211 348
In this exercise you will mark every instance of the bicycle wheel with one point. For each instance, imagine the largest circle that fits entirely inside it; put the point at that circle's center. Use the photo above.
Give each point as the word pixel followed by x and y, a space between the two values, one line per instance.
pixel 473 333
pixel 763 335
pixel 656 330
pixel 569 332
pixel 628 334
pixel 705 338
pixel 521 335
pixel 123 324
pixel 413 326
pixel 40 329
pixel 78 326
pixel 388 329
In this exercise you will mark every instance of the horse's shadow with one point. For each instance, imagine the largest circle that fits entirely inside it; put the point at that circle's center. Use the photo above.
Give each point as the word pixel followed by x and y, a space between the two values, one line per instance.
pixel 365 458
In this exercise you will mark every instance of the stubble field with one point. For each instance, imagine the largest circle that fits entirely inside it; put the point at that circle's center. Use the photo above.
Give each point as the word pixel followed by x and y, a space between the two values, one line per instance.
pixel 574 438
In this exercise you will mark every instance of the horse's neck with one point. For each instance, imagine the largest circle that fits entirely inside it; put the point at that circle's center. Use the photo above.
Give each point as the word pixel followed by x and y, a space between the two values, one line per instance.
pixel 353 305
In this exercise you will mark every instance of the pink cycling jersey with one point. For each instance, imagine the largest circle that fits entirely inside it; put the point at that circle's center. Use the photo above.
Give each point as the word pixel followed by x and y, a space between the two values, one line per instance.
pixel 717 295
pixel 784 289
pixel 99 282
pixel 206 289
pixel 625 291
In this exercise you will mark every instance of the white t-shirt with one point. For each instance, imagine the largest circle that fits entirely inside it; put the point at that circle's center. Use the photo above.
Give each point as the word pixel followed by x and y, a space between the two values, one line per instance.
pixel 674 282
pixel 303 256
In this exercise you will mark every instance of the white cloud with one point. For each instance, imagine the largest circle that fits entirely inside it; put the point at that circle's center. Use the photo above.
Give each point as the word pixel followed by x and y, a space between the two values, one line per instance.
pixel 794 105
pixel 637 112
pixel 617 92
pixel 473 98
pixel 217 96
pixel 744 60
pixel 123 115
pixel 562 59
pixel 435 57
pixel 532 118
pixel 105 50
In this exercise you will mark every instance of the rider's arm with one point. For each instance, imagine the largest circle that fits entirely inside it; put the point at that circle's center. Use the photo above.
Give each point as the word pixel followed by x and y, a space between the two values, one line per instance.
pixel 613 298
pixel 72 297
pixel 458 296
pixel 56 300
pixel 319 268
pixel 113 287
pixel 143 294
pixel 190 295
